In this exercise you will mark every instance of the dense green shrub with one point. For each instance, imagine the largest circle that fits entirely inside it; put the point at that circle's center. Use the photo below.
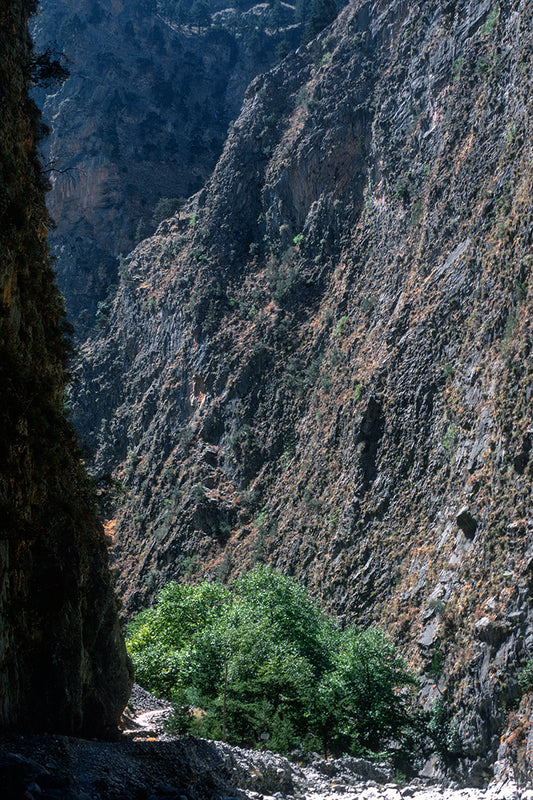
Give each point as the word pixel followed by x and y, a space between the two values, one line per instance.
pixel 444 732
pixel 261 658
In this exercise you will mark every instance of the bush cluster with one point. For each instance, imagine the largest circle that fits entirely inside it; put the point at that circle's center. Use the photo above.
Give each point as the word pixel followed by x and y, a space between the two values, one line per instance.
pixel 260 659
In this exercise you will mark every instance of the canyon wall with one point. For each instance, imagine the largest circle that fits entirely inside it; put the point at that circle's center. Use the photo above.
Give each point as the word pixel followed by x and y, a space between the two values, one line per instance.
pixel 323 360
pixel 63 666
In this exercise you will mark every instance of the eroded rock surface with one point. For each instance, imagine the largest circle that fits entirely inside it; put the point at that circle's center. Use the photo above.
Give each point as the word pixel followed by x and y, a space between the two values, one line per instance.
pixel 325 357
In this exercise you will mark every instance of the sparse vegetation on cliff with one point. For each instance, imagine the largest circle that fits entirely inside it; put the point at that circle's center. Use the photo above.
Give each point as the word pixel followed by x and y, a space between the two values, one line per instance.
pixel 379 368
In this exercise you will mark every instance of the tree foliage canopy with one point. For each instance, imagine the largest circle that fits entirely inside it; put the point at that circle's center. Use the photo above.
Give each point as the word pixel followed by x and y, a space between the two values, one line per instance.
pixel 260 657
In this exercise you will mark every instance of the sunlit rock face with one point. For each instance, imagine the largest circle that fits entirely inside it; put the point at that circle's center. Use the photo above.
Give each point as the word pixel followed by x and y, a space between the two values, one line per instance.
pixel 323 361
pixel 63 665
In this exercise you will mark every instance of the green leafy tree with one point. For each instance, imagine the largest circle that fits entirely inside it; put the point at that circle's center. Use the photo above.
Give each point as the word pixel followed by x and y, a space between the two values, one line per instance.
pixel 165 208
pixel 249 683
pixel 159 637
pixel 253 671
pixel 292 615
pixel 363 702
pixel 326 717
pixel 282 49
pixel 261 657
pixel 140 231
pixel 375 685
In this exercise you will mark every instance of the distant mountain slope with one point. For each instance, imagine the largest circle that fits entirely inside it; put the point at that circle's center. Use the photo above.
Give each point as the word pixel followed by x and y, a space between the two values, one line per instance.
pixel 63 663
pixel 142 118
pixel 324 360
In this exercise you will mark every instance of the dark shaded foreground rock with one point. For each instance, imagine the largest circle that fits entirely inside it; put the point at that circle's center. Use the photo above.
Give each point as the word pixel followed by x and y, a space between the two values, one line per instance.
pixel 66 768
pixel 63 664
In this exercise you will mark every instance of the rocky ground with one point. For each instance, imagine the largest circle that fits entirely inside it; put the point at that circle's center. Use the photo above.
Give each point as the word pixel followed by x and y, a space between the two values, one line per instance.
pixel 147 764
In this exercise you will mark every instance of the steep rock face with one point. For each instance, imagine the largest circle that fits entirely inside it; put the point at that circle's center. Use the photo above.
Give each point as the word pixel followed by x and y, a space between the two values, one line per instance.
pixel 63 665
pixel 143 116
pixel 324 360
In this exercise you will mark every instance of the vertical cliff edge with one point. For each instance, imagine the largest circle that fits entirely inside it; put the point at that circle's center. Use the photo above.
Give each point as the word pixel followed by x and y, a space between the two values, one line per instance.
pixel 63 666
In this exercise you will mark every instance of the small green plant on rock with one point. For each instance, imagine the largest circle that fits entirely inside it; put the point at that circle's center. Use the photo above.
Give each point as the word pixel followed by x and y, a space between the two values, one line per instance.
pixel 449 440
pixel 438 606
pixel 164 208
pixel 437 663
pixel 198 493
pixel 525 677
pixel 199 254
pixel 340 326
pixel 190 565
pixel 491 20
pixel 357 392
pixel 333 520
pixel 444 732
pixel 304 100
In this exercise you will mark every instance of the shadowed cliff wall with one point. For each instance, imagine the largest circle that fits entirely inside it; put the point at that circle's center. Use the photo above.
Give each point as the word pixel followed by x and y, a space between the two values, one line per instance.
pixel 63 666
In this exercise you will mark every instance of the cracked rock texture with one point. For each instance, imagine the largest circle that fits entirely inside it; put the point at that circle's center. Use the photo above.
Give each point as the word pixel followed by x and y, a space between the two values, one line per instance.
pixel 323 361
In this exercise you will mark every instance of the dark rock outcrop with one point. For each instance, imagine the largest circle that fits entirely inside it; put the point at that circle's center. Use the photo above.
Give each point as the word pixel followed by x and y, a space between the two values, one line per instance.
pixel 466 522
pixel 328 352
pixel 63 665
